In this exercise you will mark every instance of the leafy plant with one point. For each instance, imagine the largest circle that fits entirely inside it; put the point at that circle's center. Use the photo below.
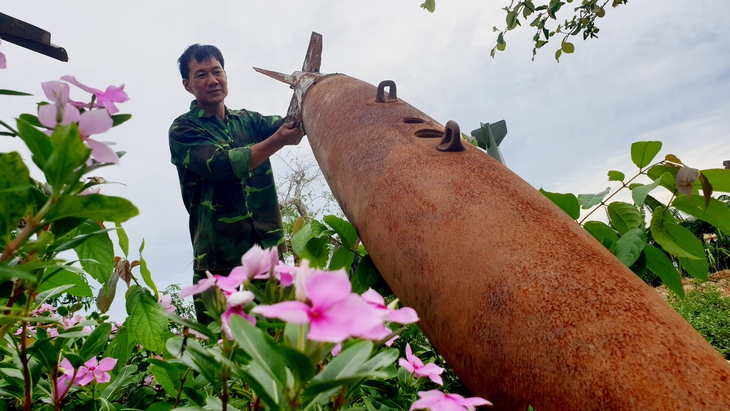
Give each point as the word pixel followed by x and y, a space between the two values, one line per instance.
pixel 709 313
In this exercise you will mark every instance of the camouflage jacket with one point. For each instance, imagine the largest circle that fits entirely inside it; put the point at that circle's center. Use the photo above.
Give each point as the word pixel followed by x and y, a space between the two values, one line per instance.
pixel 231 207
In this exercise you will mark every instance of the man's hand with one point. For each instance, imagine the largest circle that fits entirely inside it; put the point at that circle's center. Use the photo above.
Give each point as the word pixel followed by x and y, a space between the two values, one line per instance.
pixel 289 134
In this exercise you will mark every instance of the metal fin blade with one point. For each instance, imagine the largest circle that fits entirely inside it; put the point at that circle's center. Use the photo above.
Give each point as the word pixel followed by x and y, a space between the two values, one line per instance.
pixel 284 78
pixel 313 59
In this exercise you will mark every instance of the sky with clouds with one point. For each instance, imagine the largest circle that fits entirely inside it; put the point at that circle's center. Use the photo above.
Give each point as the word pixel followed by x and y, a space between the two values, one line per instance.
pixel 660 70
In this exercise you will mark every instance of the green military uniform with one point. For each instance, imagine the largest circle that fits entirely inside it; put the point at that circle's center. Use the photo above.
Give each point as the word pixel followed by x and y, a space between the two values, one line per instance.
pixel 231 207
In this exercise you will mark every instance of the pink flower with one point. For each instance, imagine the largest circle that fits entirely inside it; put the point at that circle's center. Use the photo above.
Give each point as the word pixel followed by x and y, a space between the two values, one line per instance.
pixel 256 263
pixel 390 342
pixel 52 332
pixel 333 313
pixel 284 274
pixel 415 366
pixel 45 307
pixel 405 315
pixel 89 123
pixel 105 98
pixel 165 301
pixel 234 305
pixel 2 61
pixel 95 370
pixel 201 286
pixel 336 350
pixel 61 388
pixel 439 401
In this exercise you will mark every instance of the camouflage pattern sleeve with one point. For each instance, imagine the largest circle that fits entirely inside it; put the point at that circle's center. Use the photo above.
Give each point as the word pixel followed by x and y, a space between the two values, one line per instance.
pixel 196 149
pixel 266 125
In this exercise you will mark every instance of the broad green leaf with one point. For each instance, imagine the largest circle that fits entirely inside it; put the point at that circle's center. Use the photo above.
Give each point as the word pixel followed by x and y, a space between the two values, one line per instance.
pixel 94 206
pixel 696 268
pixel 587 201
pixel 196 357
pixel 47 353
pixel 643 152
pixel 719 178
pixel 320 230
pixel 366 275
pixel 194 325
pixel 146 274
pixel 317 252
pixel 123 239
pixel 716 213
pixel 63 245
pixel 639 267
pixel 380 360
pixel 601 232
pixel 658 173
pixel 614 175
pixel 97 247
pixel 253 342
pixel 167 374
pixel 141 399
pixel 300 239
pixel 345 365
pixel 566 202
pixel 344 230
pixel 15 200
pixel 429 5
pixel 37 142
pixel 624 216
pixel 125 374
pixel 342 258
pixel 64 277
pixel 147 321
pixel 672 158
pixel 118 119
pixel 106 295
pixel 674 238
pixel 630 246
pixel 69 154
pixel 300 364
pixel 568 47
pixel 33 120
pixel 640 192
pixel 96 341
pixel 120 347
pixel 46 295
pixel 659 264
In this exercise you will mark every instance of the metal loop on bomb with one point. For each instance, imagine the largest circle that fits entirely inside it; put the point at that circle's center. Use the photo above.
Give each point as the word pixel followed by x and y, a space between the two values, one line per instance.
pixel 391 97
pixel 452 138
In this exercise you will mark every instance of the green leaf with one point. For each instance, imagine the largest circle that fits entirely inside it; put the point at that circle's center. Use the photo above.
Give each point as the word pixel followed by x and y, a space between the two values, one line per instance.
pixel 167 375
pixel 674 238
pixel 558 53
pixel 123 239
pixel 96 341
pixel 117 382
pixel 337 372
pixel 696 268
pixel 344 230
pixel 587 201
pixel 65 277
pixel 640 192
pixel 106 295
pixel 15 200
pixel 146 274
pixel 429 5
pixel 46 295
pixel 63 245
pixel 13 93
pixel 147 321
pixel 47 353
pixel 118 119
pixel 658 263
pixel 624 216
pixel 719 178
pixel 253 342
pixel 121 347
pixel 94 206
pixel 566 202
pixel 501 44
pixel 614 175
pixel 366 275
pixel 301 366
pixel 317 252
pixel 69 154
pixel 99 249
pixel 716 213
pixel 567 47
pixel 601 232
pixel 300 238
pixel 630 246
pixel 658 173
pixel 643 152
pixel 33 120
pixel 342 258
pixel 192 325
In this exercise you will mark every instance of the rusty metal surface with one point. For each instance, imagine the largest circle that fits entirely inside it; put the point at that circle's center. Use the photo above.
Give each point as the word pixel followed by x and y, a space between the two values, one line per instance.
pixel 521 301
pixel 30 37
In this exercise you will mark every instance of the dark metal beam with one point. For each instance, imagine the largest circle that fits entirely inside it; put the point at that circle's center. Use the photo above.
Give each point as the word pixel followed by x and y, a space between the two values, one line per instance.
pixel 30 37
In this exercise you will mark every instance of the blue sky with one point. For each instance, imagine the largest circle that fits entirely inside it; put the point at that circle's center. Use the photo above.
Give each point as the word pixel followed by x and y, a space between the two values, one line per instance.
pixel 659 71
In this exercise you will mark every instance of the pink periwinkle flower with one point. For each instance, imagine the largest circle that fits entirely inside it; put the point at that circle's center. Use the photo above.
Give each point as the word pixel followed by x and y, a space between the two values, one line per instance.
pixel 165 301
pixel 390 342
pixel 201 286
pixel 234 305
pixel 405 315
pixel 61 389
pixel 255 264
pixel 415 366
pixel 333 312
pixel 2 61
pixel 45 308
pixel 438 401
pixel 105 98
pixel 95 370
pixel 285 274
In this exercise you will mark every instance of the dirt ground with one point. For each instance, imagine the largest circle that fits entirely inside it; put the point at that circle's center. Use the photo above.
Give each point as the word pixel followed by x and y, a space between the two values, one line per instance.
pixel 720 279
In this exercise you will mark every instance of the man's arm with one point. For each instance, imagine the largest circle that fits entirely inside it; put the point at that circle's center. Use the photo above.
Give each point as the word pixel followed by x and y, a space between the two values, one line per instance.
pixel 288 134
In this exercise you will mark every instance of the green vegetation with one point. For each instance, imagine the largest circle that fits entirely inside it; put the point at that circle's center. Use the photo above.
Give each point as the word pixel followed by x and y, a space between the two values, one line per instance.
pixel 708 311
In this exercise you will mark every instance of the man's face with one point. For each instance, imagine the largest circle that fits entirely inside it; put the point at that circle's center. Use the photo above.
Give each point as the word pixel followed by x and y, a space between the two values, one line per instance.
pixel 207 82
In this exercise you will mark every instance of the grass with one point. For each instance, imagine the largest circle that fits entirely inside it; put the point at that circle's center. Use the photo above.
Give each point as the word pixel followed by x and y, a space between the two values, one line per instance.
pixel 708 312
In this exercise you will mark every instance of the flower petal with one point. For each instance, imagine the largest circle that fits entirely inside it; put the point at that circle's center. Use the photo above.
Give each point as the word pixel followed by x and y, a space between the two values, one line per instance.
pixel 107 364
pixel 405 315
pixel 102 152
pixel 72 80
pixel 428 399
pixel 95 122
pixel 290 311
pixel 324 289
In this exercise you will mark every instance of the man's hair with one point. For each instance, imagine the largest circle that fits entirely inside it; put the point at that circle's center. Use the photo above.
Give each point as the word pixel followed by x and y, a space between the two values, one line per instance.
pixel 199 53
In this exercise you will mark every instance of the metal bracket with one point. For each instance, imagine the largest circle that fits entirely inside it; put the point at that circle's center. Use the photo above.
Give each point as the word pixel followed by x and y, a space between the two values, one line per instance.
pixel 30 37
pixel 391 97
pixel 452 138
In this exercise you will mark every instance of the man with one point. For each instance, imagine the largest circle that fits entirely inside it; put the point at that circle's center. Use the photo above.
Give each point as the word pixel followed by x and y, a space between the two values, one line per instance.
pixel 222 160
